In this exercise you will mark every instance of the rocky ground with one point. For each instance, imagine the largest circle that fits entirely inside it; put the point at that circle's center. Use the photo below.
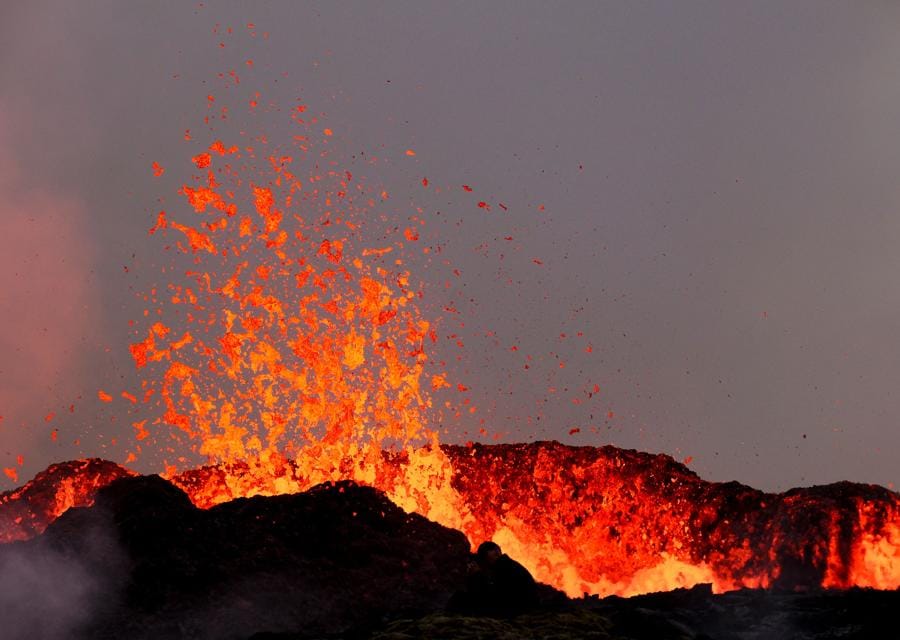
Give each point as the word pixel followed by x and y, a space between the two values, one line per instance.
pixel 694 614
pixel 338 561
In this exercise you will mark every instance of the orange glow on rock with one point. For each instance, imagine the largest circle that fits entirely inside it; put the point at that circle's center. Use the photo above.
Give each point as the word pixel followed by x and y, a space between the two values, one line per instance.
pixel 26 511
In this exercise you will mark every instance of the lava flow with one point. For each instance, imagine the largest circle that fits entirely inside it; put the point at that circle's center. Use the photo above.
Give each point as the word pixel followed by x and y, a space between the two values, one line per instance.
pixel 294 350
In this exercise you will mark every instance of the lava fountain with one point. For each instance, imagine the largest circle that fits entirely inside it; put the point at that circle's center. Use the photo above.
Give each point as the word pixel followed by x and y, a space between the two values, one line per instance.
pixel 293 349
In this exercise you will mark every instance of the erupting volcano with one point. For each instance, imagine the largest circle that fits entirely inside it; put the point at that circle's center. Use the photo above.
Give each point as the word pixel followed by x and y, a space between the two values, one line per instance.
pixel 301 357
pixel 291 346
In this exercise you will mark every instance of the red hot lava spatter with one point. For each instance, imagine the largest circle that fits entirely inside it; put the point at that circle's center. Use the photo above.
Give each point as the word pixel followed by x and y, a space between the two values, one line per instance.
pixel 290 332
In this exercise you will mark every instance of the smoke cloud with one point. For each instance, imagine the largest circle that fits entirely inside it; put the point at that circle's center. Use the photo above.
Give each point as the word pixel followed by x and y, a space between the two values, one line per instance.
pixel 46 260
pixel 43 594
pixel 55 587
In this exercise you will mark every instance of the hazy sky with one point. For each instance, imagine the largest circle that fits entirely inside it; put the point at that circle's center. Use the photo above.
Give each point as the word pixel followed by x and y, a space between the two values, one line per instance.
pixel 719 182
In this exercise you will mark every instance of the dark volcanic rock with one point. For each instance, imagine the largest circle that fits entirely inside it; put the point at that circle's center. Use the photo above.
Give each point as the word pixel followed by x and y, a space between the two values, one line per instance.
pixel 754 614
pixel 337 556
pixel 339 561
pixel 683 614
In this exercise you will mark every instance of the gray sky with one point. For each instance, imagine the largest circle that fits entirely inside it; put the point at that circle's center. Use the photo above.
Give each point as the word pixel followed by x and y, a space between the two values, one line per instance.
pixel 719 183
